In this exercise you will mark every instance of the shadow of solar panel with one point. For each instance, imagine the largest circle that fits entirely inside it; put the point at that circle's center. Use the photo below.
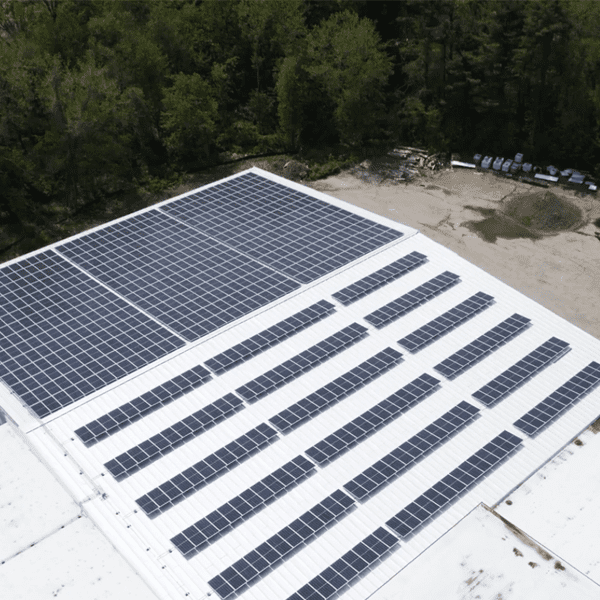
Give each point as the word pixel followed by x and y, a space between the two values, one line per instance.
pixel 349 568
pixel 130 412
pixel 179 275
pixel 508 381
pixel 289 419
pixel 446 322
pixel 302 363
pixel 372 420
pixel 445 491
pixel 290 231
pixel 197 476
pixel 560 400
pixel 282 545
pixel 269 337
pixel 380 278
pixel 242 507
pixel 172 437
pixel 391 466
pixel 484 345
pixel 409 301
pixel 64 336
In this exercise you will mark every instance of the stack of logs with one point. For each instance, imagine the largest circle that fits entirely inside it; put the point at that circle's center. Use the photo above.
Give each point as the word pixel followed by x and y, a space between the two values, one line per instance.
pixel 418 157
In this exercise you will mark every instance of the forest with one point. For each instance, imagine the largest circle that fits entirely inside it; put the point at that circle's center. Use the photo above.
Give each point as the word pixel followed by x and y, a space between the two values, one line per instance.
pixel 100 99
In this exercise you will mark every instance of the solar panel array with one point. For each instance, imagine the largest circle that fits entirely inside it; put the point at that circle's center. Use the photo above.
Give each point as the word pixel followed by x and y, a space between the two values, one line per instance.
pixel 559 400
pixel 332 393
pixel 445 491
pixel 378 279
pixel 484 345
pixel 302 363
pixel 292 232
pixel 269 554
pixel 372 420
pixel 373 479
pixel 143 405
pixel 409 301
pixel 269 337
pixel 64 336
pixel 446 322
pixel 523 370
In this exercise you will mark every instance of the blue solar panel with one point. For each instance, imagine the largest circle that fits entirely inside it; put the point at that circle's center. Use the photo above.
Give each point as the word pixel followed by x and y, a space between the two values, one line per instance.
pixel 271 553
pixel 484 345
pixel 402 458
pixel 131 411
pixel 302 363
pixel 170 438
pixel 372 420
pixel 558 401
pixel 242 507
pixel 64 336
pixel 332 393
pixel 293 233
pixel 523 370
pixel 446 322
pixel 185 279
pixel 197 476
pixel 269 337
pixel 349 568
pixel 445 491
pixel 409 301
pixel 378 279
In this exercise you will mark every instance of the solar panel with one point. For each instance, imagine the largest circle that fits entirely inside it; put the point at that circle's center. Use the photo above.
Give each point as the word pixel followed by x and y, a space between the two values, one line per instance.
pixel 302 363
pixel 446 322
pixel 179 275
pixel 371 480
pixel 378 279
pixel 252 500
pixel 148 402
pixel 269 337
pixel 197 476
pixel 170 438
pixel 409 301
pixel 64 336
pixel 445 491
pixel 332 393
pixel 349 567
pixel 559 400
pixel 293 233
pixel 372 420
pixel 271 553
pixel 481 347
pixel 523 370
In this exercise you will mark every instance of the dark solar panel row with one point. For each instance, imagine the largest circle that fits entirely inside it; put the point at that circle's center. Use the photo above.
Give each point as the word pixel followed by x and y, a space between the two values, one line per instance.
pixel 559 400
pixel 290 231
pixel 271 553
pixel 236 511
pixel 349 568
pixel 170 438
pixel 192 479
pixel 450 487
pixel 523 370
pixel 269 337
pixel 387 469
pixel 483 346
pixel 446 322
pixel 64 336
pixel 409 301
pixel 372 420
pixel 131 411
pixel 302 363
pixel 378 279
pixel 307 408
